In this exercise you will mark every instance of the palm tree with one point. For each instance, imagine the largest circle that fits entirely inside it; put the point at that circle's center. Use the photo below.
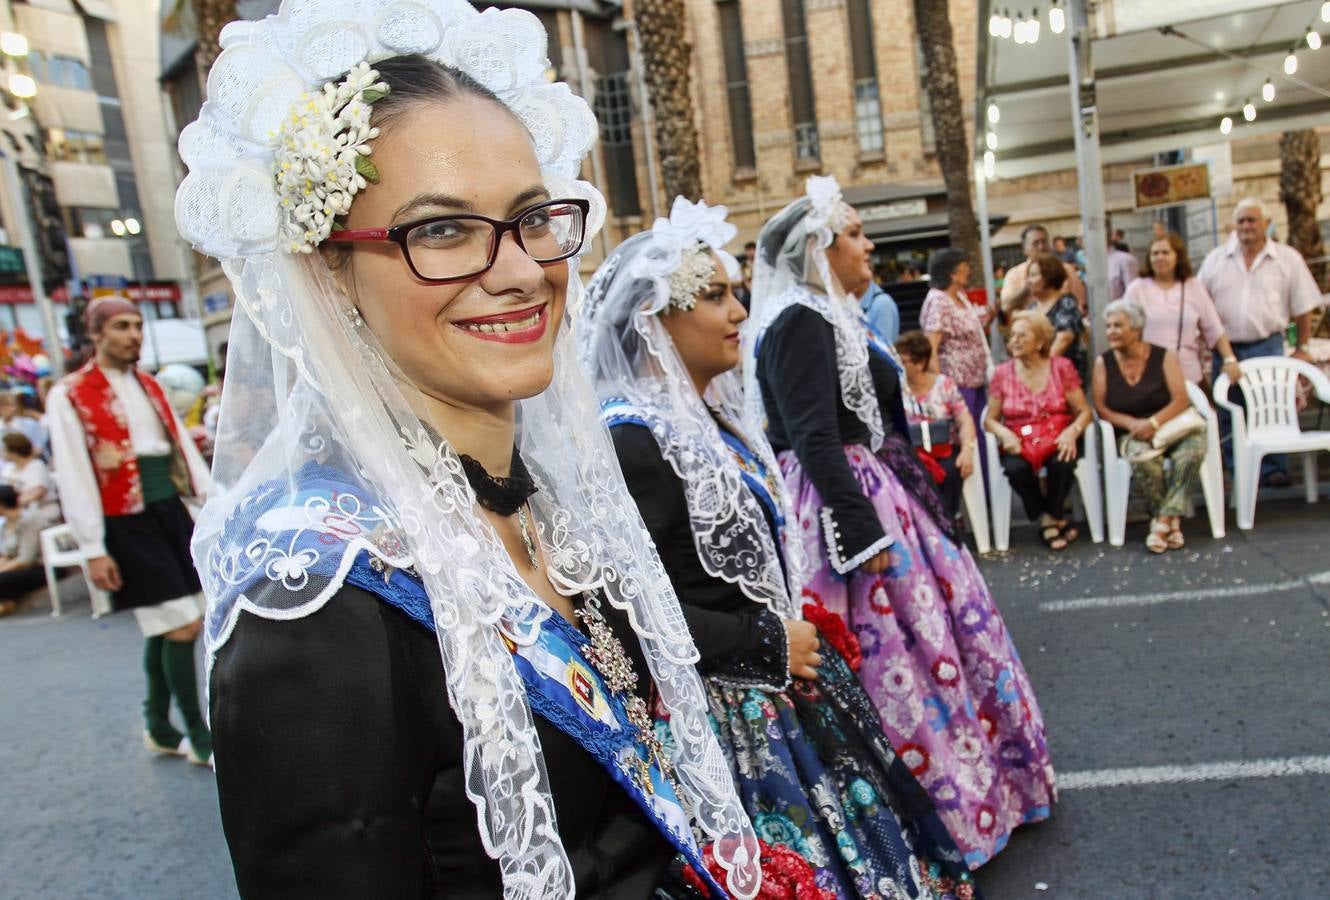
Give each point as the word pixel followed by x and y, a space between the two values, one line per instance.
pixel 933 23
pixel 666 55
pixel 1300 192
pixel 211 16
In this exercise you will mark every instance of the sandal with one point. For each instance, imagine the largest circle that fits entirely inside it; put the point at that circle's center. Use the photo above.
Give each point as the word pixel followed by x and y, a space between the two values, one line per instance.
pixel 1175 539
pixel 1051 535
pixel 1069 532
pixel 1157 540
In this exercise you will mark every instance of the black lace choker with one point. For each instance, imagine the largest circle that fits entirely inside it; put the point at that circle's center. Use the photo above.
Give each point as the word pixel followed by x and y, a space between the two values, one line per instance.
pixel 504 496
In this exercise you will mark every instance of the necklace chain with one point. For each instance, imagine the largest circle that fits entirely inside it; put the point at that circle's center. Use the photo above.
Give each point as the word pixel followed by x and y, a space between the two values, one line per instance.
pixel 524 526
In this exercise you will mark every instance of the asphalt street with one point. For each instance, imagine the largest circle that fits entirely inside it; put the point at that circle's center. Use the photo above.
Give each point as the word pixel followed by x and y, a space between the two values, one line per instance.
pixel 1186 696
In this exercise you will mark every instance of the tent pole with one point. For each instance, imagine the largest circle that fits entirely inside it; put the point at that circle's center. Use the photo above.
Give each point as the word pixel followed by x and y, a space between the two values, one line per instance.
pixel 1089 170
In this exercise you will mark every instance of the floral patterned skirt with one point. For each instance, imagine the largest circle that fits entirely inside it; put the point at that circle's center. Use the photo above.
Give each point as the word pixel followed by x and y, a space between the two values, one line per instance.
pixel 938 663
pixel 817 776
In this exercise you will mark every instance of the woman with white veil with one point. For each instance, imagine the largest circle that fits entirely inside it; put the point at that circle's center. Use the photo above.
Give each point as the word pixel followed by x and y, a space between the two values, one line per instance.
pixel 432 636
pixel 659 335
pixel 937 659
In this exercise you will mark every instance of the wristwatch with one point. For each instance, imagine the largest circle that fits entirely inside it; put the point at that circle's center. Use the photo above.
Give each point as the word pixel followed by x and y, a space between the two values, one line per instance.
pixel 1230 359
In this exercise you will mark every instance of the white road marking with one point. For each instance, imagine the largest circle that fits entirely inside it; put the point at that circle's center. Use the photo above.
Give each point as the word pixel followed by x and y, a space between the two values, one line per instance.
pixel 1221 771
pixel 1192 595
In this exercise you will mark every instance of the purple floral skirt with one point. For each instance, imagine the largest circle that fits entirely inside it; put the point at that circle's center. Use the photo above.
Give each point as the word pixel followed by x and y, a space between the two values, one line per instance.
pixel 938 663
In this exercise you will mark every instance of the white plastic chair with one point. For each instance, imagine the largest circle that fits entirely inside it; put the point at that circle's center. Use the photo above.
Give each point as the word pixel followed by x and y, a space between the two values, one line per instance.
pixel 1269 386
pixel 56 542
pixel 1117 473
pixel 976 508
pixel 1087 482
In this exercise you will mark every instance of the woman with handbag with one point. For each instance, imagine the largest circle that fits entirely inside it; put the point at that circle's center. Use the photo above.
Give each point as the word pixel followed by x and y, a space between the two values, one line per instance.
pixel 1140 389
pixel 1179 313
pixel 941 427
pixel 1037 410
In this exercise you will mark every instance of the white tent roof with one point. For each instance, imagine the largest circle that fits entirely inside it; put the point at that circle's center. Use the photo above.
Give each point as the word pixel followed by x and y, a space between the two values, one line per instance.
pixel 1155 91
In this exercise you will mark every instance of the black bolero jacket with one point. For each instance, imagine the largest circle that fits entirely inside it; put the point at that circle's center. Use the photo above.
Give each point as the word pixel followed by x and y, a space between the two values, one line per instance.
pixel 796 369
pixel 339 768
pixel 739 641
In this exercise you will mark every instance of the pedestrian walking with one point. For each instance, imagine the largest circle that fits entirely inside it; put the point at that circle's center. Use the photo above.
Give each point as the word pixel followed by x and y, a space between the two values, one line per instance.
pixel 122 464
pixel 1259 287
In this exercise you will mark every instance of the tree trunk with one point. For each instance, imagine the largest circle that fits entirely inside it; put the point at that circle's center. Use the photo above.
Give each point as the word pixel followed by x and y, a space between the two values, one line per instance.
pixel 1300 192
pixel 666 56
pixel 212 16
pixel 933 23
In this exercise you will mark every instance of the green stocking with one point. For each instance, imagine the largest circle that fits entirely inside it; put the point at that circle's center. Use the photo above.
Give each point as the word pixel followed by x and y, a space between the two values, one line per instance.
pixel 157 705
pixel 178 662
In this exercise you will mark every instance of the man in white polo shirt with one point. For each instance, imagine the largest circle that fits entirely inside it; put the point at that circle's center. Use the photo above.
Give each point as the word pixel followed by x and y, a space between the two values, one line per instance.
pixel 1259 286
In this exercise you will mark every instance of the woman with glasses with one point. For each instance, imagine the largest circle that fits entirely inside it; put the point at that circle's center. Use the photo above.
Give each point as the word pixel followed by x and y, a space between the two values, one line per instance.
pixel 432 634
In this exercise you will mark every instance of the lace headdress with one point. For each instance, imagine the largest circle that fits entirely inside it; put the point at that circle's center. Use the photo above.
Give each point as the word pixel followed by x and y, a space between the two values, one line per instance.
pixel 322 455
pixel 792 268
pixel 633 362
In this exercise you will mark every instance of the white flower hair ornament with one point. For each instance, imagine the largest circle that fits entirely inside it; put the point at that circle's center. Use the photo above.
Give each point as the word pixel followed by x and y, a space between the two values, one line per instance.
pixel 684 249
pixel 830 211
pixel 323 159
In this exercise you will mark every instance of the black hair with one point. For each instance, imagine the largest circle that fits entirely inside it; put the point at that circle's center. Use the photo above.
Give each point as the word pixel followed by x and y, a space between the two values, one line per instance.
pixel 8 497
pixel 415 78
pixel 942 264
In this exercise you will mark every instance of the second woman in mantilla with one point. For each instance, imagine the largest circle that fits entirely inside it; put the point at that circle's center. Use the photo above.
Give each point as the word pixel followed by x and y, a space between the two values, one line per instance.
pixel 660 337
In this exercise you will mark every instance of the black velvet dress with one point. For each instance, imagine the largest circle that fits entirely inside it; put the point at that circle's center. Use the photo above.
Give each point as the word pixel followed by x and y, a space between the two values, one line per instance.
pixel 339 768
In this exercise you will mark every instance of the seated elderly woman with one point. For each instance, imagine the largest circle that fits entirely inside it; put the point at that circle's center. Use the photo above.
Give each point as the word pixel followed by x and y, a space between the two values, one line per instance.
pixel 941 427
pixel 1038 412
pixel 1138 388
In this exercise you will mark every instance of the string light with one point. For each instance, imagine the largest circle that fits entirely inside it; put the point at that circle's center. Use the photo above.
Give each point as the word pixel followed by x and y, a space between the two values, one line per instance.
pixel 1290 63
pixel 995 24
pixel 22 86
pixel 1032 28
pixel 994 114
pixel 1057 18
pixel 1268 91
pixel 990 140
pixel 1006 26
pixel 1226 125
pixel 1313 39
pixel 1018 31
pixel 1325 11
pixel 990 163
pixel 1249 111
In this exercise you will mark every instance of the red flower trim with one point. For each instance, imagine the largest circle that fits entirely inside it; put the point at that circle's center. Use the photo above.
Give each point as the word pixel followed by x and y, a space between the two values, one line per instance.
pixel 785 875
pixel 832 627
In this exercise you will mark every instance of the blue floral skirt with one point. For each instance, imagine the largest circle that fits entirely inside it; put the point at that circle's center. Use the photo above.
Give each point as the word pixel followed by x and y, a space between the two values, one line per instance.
pixel 817 775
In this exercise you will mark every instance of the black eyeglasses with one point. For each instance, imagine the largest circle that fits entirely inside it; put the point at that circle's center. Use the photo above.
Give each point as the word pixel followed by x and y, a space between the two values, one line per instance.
pixel 443 249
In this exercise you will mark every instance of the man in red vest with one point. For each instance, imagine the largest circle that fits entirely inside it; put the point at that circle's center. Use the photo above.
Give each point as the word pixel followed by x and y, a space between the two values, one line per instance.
pixel 123 462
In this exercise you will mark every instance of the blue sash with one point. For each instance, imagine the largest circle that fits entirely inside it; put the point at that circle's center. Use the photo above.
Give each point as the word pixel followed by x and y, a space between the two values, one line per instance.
pixel 568 692
pixel 754 475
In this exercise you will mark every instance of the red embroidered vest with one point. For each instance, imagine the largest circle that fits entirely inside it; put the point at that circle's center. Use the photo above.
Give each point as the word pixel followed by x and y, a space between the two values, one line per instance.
pixel 107 435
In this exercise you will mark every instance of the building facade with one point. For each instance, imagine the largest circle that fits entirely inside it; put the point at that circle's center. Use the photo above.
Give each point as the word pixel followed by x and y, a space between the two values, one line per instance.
pixel 94 156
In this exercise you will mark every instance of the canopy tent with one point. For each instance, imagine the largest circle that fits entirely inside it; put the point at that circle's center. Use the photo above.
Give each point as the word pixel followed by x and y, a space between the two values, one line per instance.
pixel 1131 78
